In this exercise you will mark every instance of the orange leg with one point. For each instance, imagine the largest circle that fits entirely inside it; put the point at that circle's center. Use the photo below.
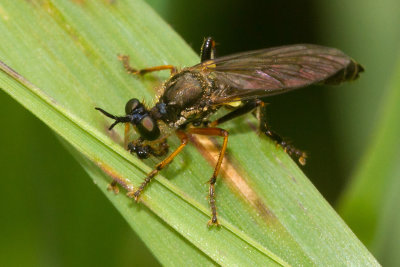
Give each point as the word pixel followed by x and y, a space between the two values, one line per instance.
pixel 129 69
pixel 113 186
pixel 126 135
pixel 184 139
pixel 211 193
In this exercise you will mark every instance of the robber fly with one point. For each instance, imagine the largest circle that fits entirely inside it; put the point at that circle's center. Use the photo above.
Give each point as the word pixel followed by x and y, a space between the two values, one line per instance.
pixel 241 81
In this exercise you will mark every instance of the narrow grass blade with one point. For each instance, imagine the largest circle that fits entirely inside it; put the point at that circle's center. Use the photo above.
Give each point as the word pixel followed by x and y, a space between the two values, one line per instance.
pixel 270 213
pixel 373 195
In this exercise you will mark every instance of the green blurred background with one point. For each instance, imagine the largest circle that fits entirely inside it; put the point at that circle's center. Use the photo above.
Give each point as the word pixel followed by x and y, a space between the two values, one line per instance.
pixel 52 215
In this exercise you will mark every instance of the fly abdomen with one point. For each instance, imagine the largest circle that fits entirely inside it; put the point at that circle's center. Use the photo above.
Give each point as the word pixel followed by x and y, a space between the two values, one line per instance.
pixel 349 73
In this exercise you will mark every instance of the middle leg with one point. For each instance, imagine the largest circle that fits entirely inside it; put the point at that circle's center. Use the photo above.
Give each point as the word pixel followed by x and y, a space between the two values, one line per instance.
pixel 212 181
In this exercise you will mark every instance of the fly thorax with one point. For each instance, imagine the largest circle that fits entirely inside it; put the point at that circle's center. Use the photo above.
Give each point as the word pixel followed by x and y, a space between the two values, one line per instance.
pixel 182 96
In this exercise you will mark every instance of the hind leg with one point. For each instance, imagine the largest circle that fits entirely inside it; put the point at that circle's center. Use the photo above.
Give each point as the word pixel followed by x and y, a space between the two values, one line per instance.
pixel 260 112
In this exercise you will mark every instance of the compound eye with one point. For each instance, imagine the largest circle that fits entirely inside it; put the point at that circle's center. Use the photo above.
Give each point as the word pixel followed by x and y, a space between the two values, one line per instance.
pixel 148 124
pixel 131 105
pixel 148 128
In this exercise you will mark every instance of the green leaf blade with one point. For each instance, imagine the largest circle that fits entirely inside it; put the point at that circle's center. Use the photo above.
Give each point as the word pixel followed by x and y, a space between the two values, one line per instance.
pixel 370 199
pixel 69 51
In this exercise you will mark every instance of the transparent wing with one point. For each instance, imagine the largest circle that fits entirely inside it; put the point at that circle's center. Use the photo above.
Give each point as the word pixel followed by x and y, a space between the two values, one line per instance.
pixel 277 70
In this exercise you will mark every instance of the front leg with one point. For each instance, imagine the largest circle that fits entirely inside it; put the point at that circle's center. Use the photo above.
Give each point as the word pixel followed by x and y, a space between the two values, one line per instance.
pixel 131 70
pixel 184 139
pixel 144 149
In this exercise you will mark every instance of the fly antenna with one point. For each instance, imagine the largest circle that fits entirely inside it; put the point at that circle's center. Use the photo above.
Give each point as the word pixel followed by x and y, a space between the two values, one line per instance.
pixel 116 118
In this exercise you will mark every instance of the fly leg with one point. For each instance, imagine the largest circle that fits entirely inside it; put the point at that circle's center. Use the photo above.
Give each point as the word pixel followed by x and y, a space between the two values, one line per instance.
pixel 144 149
pixel 212 181
pixel 208 50
pixel 113 186
pixel 289 149
pixel 131 70
pixel 126 135
pixel 136 194
pixel 246 108
pixel 260 113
